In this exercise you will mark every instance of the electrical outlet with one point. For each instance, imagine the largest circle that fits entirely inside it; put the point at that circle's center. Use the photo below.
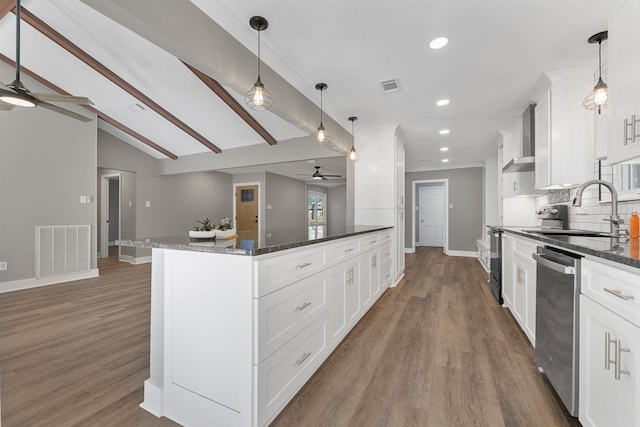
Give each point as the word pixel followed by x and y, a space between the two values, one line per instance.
pixel 3 265
pixel 147 204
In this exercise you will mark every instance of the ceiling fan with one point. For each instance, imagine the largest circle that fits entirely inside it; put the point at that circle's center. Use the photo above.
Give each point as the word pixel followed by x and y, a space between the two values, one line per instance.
pixel 16 94
pixel 319 175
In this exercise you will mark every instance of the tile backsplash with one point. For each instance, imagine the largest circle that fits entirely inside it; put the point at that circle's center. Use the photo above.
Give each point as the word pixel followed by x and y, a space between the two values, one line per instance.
pixel 592 215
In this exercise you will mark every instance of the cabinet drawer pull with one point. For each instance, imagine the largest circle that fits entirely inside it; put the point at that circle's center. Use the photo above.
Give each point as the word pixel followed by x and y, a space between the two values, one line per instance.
pixel 618 293
pixel 373 242
pixel 302 358
pixel 619 371
pixel 626 132
pixel 348 250
pixel 303 306
pixel 300 266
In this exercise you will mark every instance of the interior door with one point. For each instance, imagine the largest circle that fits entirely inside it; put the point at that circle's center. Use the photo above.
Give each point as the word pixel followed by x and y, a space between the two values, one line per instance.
pixel 431 216
pixel 247 208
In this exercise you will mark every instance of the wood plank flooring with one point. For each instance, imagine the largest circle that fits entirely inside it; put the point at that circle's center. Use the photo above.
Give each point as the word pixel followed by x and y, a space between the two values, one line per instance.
pixel 437 350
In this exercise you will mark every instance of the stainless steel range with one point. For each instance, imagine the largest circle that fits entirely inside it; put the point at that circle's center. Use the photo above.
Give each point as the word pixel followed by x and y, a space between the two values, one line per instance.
pixel 495 252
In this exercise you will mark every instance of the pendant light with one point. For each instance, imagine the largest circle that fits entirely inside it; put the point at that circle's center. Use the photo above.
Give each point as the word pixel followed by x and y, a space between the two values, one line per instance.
pixel 258 98
pixel 598 97
pixel 353 154
pixel 321 134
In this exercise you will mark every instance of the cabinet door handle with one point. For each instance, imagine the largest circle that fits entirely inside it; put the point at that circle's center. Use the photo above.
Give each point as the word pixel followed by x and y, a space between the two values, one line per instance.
pixel 607 351
pixel 303 306
pixel 349 250
pixel 514 185
pixel 633 128
pixel 619 370
pixel 618 293
pixel 373 242
pixel 302 358
pixel 304 265
pixel 374 261
pixel 626 132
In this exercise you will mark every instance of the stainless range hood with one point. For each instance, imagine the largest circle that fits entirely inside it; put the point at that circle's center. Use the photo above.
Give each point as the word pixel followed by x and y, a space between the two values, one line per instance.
pixel 526 163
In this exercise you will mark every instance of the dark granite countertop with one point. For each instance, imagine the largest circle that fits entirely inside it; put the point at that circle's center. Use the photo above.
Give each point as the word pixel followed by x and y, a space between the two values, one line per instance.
pixel 613 249
pixel 248 243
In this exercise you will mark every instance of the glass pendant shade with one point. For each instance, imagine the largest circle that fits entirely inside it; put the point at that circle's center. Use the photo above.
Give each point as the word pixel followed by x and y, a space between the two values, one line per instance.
pixel 597 99
pixel 258 98
pixel 321 134
pixel 353 154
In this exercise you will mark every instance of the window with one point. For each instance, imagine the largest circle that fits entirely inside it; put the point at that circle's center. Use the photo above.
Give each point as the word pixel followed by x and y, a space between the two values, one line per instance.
pixel 317 206
pixel 246 195
pixel 625 178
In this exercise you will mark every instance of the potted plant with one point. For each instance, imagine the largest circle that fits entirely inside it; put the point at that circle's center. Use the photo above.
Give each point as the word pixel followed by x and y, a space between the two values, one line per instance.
pixel 206 230
pixel 224 230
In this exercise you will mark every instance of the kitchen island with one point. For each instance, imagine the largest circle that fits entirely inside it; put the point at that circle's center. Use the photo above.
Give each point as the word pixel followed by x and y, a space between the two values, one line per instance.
pixel 238 326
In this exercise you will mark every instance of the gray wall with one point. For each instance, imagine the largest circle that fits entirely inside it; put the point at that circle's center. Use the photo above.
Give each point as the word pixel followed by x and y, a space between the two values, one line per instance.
pixel 47 161
pixel 337 207
pixel 287 197
pixel 466 195
pixel 176 201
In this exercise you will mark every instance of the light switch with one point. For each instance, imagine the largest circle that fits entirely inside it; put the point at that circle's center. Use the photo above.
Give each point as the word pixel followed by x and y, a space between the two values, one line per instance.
pixel 83 199
pixel 3 265
pixel 130 204
pixel 450 205
pixel 147 204
pixel 269 207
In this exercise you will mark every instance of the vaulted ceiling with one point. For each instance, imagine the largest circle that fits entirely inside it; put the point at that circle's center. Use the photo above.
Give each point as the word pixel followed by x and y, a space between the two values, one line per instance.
pixel 169 76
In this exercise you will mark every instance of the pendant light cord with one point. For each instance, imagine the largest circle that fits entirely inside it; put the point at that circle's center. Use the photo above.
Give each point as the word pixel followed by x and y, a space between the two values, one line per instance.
pixel 321 90
pixel 18 40
pixel 259 54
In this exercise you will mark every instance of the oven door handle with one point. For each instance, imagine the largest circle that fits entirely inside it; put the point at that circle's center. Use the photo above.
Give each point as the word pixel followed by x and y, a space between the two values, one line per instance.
pixel 559 268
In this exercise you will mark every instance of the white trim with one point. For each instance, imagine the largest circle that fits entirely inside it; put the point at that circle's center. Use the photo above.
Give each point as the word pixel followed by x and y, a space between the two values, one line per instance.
pixel 439 168
pixel 17 285
pixel 410 250
pixel 414 185
pixel 104 211
pixel 260 202
pixel 397 281
pixel 133 260
pixel 471 254
pixel 152 398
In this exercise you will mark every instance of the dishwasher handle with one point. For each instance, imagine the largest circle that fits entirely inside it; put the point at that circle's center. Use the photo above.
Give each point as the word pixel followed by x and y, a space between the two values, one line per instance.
pixel 559 268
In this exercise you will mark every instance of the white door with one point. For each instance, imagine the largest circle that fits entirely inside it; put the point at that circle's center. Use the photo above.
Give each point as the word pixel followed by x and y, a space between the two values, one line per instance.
pixel 431 215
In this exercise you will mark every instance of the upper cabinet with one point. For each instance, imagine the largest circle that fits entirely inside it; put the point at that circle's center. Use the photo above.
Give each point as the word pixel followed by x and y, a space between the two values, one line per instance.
pixel 624 81
pixel 563 129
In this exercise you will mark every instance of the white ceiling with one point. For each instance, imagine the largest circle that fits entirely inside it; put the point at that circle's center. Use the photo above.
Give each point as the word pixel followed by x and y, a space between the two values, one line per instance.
pixel 498 49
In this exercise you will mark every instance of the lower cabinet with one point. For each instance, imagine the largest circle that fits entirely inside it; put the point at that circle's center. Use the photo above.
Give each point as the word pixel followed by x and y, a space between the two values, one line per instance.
pixel 609 363
pixel 345 297
pixel 508 283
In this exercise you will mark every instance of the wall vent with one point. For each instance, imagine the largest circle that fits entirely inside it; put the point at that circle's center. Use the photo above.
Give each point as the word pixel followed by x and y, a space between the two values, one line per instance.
pixel 390 85
pixel 62 249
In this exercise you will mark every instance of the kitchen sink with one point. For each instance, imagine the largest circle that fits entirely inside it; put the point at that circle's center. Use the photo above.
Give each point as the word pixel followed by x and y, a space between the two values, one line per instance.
pixel 559 232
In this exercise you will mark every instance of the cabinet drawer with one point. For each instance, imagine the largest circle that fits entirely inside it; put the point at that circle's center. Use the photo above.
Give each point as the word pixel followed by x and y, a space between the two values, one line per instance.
pixel 386 237
pixel 385 274
pixel 525 248
pixel 369 241
pixel 343 250
pixel 284 313
pixel 616 289
pixel 386 253
pixel 283 374
pixel 280 271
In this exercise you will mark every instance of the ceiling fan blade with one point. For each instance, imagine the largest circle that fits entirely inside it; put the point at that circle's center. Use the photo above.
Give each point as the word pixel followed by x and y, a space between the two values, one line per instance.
pixel 54 97
pixel 5 106
pixel 7 88
pixel 324 178
pixel 332 176
pixel 64 111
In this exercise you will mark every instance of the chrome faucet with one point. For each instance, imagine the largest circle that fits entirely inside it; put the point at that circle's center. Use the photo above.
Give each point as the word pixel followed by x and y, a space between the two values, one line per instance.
pixel 614 218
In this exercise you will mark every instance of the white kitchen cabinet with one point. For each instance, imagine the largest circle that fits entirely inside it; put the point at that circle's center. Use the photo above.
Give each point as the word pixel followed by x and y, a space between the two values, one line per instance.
pixel 563 129
pixel 519 282
pixel 624 81
pixel 379 187
pixel 609 362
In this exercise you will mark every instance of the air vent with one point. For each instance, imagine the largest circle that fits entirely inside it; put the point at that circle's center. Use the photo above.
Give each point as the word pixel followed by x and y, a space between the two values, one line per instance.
pixel 136 107
pixel 390 85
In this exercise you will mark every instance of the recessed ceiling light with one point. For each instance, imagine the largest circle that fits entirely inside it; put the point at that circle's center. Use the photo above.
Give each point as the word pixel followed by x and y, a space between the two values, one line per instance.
pixel 442 102
pixel 444 149
pixel 445 160
pixel 444 131
pixel 438 43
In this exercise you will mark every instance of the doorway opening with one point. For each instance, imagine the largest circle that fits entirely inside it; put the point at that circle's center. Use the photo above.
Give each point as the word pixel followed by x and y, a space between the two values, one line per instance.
pixel 110 215
pixel 430 222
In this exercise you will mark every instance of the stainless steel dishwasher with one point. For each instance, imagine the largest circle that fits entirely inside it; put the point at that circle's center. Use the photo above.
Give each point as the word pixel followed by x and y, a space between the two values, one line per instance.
pixel 557 321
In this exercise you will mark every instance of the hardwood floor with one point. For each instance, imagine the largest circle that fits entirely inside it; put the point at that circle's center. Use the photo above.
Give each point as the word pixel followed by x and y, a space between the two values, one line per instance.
pixel 437 350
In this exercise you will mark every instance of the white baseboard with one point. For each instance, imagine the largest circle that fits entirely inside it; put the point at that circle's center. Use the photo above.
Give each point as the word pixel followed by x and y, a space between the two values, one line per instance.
pixel 152 399
pixel 135 261
pixel 471 254
pixel 18 285
pixel 397 281
pixel 409 250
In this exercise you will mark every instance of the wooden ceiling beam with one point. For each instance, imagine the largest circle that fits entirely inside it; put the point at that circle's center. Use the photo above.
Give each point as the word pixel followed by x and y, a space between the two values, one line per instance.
pixel 99 113
pixel 66 44
pixel 226 97
pixel 6 6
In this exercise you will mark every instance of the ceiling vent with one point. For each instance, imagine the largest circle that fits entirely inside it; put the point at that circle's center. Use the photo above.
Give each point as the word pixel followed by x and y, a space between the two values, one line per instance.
pixel 136 107
pixel 390 85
